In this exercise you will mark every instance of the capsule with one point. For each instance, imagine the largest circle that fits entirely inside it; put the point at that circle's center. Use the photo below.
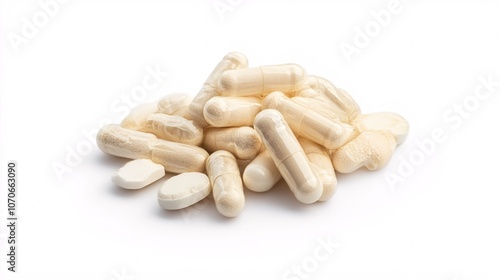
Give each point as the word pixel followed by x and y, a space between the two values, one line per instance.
pixel 260 81
pixel 175 104
pixel 261 174
pixel 321 161
pixel 316 104
pixel 174 128
pixel 231 61
pixel 310 124
pixel 178 157
pixel 243 142
pixel 136 119
pixel 335 95
pixel 227 186
pixel 231 111
pixel 288 156
pixel 123 142
pixel 392 122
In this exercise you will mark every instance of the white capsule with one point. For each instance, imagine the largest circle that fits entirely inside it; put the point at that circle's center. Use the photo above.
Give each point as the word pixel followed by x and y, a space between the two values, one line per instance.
pixel 392 122
pixel 321 161
pixel 308 123
pixel 175 104
pixel 335 95
pixel 227 186
pixel 260 81
pixel 174 128
pixel 288 156
pixel 231 61
pixel 183 190
pixel 243 142
pixel 312 99
pixel 137 174
pixel 178 157
pixel 137 117
pixel 123 142
pixel 261 174
pixel 231 111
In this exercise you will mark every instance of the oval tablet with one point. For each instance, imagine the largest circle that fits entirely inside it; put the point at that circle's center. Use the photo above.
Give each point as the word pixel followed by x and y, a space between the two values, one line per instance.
pixel 137 174
pixel 183 190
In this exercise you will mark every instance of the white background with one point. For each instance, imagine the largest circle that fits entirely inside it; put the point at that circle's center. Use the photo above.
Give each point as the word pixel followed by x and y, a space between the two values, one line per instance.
pixel 442 222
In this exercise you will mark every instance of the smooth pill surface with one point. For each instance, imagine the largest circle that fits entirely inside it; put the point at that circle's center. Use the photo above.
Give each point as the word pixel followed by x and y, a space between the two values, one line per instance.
pixel 242 142
pixel 222 111
pixel 175 104
pixel 310 124
pixel 122 142
pixel 137 174
pixel 137 117
pixel 261 174
pixel 371 149
pixel 259 81
pixel 321 161
pixel 392 122
pixel 209 89
pixel 183 190
pixel 317 103
pixel 178 157
pixel 288 156
pixel 227 187
pixel 174 128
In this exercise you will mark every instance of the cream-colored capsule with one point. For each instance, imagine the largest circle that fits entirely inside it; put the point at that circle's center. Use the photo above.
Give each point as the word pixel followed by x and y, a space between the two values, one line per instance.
pixel 372 149
pixel 174 128
pixel 392 122
pixel 259 81
pixel 261 174
pixel 123 142
pixel 243 142
pixel 231 111
pixel 136 119
pixel 337 96
pixel 319 105
pixel 324 168
pixel 178 157
pixel 310 124
pixel 175 157
pixel 288 156
pixel 175 104
pixel 231 61
pixel 227 186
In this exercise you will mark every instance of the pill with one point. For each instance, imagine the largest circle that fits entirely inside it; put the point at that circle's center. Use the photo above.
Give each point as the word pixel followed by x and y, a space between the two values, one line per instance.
pixel 227 186
pixel 183 190
pixel 231 111
pixel 178 157
pixel 209 89
pixel 243 142
pixel 174 128
pixel 137 117
pixel 259 81
pixel 316 104
pixel 371 149
pixel 288 156
pixel 392 122
pixel 337 96
pixel 175 104
pixel 137 174
pixel 308 123
pixel 321 161
pixel 123 142
pixel 261 174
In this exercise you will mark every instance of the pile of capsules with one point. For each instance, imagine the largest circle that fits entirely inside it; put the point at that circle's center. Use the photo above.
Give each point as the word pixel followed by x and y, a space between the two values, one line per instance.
pixel 250 127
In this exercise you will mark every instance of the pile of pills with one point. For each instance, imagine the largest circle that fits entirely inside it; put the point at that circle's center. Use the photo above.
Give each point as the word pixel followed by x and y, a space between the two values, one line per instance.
pixel 250 127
